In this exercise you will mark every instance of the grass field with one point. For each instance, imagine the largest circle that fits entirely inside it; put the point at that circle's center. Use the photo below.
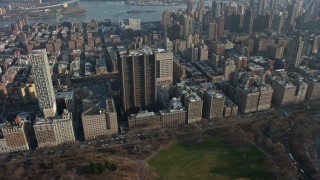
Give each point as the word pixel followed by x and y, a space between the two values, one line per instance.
pixel 211 159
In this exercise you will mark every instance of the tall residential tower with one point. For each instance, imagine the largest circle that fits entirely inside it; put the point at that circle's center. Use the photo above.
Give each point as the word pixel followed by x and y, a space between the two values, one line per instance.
pixel 43 82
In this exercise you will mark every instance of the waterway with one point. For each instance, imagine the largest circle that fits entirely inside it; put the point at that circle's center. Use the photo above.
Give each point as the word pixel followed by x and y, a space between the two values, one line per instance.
pixel 110 10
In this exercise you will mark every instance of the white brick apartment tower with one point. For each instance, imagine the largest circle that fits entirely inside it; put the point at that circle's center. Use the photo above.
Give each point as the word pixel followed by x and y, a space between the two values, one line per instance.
pixel 43 82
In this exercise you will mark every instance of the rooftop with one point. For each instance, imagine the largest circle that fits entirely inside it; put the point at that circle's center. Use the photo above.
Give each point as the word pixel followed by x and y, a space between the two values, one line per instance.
pixel 67 95
pixel 143 114
pixel 168 111
pixel 215 94
pixel 42 120
pixel 38 51
pixel 193 97
pixel 254 67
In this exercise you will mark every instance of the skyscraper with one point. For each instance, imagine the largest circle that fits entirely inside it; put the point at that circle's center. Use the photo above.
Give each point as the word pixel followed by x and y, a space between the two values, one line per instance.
pixel 200 5
pixel 216 9
pixel 252 4
pixel 166 21
pixel 137 80
pixel 261 7
pixel 212 31
pixel 220 26
pixel 278 21
pixel 164 76
pixel 248 21
pixel 292 12
pixel 294 51
pixel 299 7
pixel 189 7
pixel 164 68
pixel 273 4
pixel 43 82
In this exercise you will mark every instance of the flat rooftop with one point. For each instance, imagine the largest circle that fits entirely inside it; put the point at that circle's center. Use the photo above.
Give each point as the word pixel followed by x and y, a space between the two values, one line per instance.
pixel 215 94
pixel 68 95
pixel 38 51
pixel 142 114
pixel 42 120
pixel 193 97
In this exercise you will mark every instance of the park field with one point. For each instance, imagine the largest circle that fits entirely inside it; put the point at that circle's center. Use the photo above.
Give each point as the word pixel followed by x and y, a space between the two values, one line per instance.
pixel 210 159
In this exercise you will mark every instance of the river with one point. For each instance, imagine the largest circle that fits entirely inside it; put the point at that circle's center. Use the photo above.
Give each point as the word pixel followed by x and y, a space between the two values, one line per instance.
pixel 110 10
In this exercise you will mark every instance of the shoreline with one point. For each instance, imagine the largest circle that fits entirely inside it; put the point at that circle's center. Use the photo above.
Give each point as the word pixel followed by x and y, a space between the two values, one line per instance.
pixel 78 13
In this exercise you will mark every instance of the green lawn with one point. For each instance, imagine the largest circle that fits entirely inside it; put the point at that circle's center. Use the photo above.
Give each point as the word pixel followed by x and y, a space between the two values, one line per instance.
pixel 211 159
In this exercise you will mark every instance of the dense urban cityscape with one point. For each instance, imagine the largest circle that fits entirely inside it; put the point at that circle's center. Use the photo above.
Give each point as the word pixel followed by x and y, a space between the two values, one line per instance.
pixel 104 99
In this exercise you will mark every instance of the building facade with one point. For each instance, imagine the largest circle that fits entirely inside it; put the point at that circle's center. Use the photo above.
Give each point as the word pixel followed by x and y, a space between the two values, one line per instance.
pixel 63 128
pixel 194 105
pixel 44 133
pixel 288 93
pixel 137 80
pixel 54 131
pixel 213 104
pixel 98 122
pixel 145 119
pixel 18 135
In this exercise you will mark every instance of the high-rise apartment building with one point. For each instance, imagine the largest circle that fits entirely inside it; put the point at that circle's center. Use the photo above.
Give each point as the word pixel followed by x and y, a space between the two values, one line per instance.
pixel 137 79
pixel 43 82
pixel 294 51
pixel 164 67
pixel 164 76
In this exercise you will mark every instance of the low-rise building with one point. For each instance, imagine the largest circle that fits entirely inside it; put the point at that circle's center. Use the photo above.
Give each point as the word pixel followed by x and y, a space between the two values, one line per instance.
pixel 10 74
pixel 145 119
pixel 28 93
